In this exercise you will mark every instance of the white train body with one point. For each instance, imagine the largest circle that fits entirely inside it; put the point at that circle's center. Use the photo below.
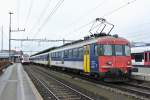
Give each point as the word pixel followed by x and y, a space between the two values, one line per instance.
pixel 140 56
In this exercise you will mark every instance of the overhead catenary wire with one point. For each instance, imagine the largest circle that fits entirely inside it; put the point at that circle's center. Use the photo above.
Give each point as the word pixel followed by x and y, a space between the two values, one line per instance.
pixel 107 14
pixel 117 9
pixel 18 12
pixel 111 12
pixel 48 17
pixel 140 26
pixel 88 12
pixel 134 32
pixel 29 12
pixel 40 16
pixel 139 34
pixel 140 37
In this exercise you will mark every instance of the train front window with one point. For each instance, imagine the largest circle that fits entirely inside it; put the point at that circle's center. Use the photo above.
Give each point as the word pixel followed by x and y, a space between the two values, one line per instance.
pixel 138 57
pixel 127 50
pixel 119 50
pixel 107 50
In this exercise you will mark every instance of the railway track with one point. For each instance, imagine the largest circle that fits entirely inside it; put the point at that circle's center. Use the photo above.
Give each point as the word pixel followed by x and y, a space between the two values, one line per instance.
pixel 54 89
pixel 131 89
pixel 138 91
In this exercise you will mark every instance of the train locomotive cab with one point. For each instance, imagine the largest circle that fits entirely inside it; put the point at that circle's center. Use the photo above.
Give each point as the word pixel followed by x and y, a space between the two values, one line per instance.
pixel 25 60
pixel 114 60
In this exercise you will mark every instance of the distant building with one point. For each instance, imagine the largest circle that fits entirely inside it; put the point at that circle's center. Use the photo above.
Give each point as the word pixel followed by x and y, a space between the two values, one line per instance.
pixel 15 55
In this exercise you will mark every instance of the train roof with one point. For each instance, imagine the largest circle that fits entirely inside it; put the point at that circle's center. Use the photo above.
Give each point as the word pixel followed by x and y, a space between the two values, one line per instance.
pixel 44 51
pixel 103 38
pixel 112 40
pixel 140 49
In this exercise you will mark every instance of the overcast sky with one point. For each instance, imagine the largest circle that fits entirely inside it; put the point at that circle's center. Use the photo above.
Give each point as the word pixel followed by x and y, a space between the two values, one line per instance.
pixel 130 17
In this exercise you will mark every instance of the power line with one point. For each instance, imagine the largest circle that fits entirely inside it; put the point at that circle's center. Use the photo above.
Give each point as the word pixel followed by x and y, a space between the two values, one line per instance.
pixel 107 14
pixel 43 40
pixel 83 26
pixel 29 12
pixel 48 17
pixel 18 11
pixel 134 32
pixel 41 15
pixel 88 12
pixel 117 9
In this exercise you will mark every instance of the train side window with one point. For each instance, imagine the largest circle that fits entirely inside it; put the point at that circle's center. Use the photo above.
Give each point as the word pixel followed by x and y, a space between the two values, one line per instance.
pixel 127 50
pixel 70 53
pixel 66 53
pixel 95 51
pixel 81 52
pixel 75 52
pixel 59 54
pixel 56 54
pixel 100 50
pixel 145 57
pixel 53 54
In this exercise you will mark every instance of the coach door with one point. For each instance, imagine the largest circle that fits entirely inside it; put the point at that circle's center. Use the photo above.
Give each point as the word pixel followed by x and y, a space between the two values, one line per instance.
pixel 86 58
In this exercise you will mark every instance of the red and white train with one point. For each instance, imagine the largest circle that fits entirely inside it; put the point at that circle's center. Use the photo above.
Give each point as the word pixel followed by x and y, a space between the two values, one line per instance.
pixel 140 56
pixel 25 59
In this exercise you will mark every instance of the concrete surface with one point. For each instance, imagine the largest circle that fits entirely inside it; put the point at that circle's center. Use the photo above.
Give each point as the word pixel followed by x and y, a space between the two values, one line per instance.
pixel 16 85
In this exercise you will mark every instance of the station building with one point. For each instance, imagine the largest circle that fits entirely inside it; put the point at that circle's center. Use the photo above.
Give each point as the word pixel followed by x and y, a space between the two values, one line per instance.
pixel 14 55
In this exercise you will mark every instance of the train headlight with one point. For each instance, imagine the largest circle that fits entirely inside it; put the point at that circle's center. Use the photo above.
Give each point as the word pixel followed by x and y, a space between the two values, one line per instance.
pixel 129 63
pixel 109 63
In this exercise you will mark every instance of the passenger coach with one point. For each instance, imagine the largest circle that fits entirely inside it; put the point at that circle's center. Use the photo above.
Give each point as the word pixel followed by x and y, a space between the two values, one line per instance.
pixel 140 56
pixel 106 57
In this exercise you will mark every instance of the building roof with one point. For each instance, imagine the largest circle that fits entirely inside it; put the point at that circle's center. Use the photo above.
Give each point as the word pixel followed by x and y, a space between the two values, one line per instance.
pixel 140 49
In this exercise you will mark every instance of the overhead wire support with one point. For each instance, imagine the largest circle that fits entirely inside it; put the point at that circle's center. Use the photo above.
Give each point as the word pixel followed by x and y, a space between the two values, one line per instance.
pixel 18 30
pixel 100 24
pixel 10 30
pixel 42 40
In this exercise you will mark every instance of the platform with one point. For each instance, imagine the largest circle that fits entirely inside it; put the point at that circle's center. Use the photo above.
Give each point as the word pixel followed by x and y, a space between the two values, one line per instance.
pixel 16 85
pixel 143 73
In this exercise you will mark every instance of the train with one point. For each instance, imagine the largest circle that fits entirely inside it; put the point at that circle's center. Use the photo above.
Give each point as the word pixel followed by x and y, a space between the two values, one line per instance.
pixel 25 59
pixel 140 56
pixel 104 57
